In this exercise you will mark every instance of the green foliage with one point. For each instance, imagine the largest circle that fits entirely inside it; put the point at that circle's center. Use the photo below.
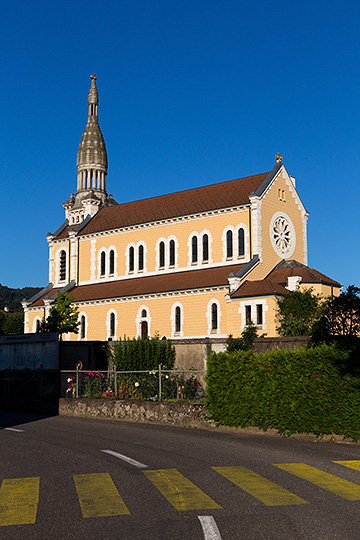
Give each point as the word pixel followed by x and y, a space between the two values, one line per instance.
pixel 297 313
pixel 12 298
pixel 342 313
pixel 63 317
pixel 148 354
pixel 13 323
pixel 243 343
pixel 302 391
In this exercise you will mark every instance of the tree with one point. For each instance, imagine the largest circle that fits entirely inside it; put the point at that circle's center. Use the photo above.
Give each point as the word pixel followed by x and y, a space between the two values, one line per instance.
pixel 342 313
pixel 245 342
pixel 13 323
pixel 297 313
pixel 63 317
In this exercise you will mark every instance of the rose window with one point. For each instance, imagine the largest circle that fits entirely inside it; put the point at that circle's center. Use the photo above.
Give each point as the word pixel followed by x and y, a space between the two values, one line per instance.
pixel 282 235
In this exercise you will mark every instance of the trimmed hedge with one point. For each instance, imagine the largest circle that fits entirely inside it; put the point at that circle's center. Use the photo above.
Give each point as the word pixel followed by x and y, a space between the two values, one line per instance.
pixel 143 353
pixel 301 391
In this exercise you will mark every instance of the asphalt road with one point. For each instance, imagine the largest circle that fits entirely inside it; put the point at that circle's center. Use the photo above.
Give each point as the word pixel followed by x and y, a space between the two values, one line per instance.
pixel 178 484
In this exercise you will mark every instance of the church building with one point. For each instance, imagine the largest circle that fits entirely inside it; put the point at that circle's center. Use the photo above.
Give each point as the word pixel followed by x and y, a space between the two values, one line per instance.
pixel 198 263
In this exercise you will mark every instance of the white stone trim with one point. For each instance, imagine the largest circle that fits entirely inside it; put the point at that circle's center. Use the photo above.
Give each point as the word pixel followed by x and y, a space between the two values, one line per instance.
pixel 108 325
pixel 278 251
pixel 173 320
pixel 305 216
pixel 83 314
pixel 157 254
pixel 166 266
pixel 93 259
pixel 253 303
pixel 189 246
pixel 36 319
pixel 107 274
pixel 51 263
pixel 140 319
pixel 210 240
pixel 256 225
pixel 209 317
pixel 57 265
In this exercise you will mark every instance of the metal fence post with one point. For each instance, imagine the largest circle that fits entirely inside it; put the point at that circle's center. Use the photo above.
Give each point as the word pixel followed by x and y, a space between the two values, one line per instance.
pixel 159 382
pixel 115 384
pixel 77 381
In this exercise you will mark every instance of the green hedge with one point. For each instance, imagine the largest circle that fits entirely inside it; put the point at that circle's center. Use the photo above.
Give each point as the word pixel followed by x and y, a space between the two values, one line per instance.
pixel 139 353
pixel 302 391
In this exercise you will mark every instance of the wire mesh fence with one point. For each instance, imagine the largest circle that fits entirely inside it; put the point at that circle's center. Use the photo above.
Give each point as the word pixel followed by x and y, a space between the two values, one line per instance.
pixel 155 385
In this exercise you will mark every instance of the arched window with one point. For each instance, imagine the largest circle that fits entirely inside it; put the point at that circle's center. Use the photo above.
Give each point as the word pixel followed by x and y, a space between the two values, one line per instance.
pixel 112 324
pixel 162 254
pixel 144 327
pixel 172 253
pixel 62 266
pixel 111 262
pixel 102 263
pixel 205 248
pixel 177 319
pixel 214 317
pixel 141 258
pixel 131 259
pixel 229 244
pixel 82 327
pixel 194 249
pixel 241 242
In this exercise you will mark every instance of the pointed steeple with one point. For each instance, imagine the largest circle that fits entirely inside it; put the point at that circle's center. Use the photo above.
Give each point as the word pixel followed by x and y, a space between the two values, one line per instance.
pixel 91 167
pixel 92 158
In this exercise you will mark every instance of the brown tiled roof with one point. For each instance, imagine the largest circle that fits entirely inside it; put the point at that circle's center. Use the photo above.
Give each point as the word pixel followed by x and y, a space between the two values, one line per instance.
pixel 181 203
pixel 308 275
pixel 261 287
pixel 170 282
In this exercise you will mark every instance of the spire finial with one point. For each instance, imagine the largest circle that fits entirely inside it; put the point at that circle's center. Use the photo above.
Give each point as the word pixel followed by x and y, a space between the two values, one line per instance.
pixel 93 93
pixel 278 158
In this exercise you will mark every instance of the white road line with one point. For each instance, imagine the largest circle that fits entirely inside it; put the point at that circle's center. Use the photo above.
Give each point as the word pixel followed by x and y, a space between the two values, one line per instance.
pixel 127 459
pixel 12 429
pixel 210 529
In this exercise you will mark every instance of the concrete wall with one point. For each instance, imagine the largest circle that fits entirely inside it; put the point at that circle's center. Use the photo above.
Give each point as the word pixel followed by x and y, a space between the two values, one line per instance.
pixel 180 414
pixel 29 351
pixel 262 345
pixel 193 353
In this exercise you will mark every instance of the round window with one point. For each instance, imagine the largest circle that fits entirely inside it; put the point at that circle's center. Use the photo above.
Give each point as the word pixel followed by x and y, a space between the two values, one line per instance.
pixel 282 234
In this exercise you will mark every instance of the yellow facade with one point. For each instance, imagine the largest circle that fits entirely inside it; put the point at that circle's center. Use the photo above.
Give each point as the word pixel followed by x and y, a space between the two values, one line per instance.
pixel 184 313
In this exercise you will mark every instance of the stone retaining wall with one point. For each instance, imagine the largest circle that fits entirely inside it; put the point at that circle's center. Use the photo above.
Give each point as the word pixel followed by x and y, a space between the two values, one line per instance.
pixel 180 414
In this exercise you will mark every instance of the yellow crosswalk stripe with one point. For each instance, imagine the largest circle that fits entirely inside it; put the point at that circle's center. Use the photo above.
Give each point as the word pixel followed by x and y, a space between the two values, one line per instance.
pixel 259 487
pixel 98 496
pixel 179 491
pixel 352 464
pixel 329 482
pixel 19 499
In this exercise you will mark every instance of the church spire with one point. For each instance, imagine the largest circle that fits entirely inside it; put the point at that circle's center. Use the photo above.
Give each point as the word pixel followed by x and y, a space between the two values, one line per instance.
pixel 92 157
pixel 91 167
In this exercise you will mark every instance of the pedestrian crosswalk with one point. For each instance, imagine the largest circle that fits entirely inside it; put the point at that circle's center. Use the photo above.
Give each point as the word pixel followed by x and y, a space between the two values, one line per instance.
pixel 98 495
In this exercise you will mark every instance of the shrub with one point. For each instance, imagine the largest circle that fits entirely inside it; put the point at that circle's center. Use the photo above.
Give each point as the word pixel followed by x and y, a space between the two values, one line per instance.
pixel 302 391
pixel 143 354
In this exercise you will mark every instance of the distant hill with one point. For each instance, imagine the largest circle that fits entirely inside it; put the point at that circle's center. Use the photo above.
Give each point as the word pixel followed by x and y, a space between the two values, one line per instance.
pixel 12 298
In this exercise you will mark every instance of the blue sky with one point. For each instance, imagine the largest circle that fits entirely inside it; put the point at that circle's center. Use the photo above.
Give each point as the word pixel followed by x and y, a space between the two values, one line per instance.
pixel 191 93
